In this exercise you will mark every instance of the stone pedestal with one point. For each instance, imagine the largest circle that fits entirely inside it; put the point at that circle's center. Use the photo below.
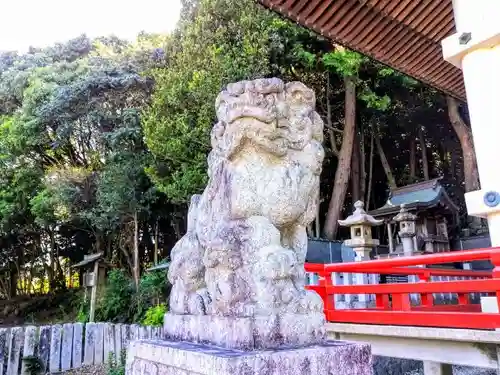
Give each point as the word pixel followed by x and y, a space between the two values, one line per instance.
pixel 251 333
pixel 157 357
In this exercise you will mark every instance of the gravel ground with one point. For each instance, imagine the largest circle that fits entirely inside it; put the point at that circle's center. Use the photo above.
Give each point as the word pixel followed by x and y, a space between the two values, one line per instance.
pixel 461 371
pixel 393 366
pixel 86 370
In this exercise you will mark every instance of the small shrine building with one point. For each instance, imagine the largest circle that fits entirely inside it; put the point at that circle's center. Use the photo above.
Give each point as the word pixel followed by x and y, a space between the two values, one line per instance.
pixel 436 217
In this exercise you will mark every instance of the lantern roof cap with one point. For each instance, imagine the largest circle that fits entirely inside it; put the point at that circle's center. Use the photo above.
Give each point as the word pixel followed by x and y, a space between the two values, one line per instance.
pixel 360 217
pixel 404 215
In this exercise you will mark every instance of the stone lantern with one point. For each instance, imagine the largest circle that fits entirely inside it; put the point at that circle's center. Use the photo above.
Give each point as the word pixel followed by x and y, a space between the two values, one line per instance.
pixel 360 224
pixel 362 242
pixel 406 221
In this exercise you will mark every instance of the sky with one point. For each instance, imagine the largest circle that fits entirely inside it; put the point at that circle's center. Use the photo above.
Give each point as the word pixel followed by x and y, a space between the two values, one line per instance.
pixel 39 23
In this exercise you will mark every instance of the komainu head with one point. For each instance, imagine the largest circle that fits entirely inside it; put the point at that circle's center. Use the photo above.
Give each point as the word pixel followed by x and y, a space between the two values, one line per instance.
pixel 266 152
pixel 267 114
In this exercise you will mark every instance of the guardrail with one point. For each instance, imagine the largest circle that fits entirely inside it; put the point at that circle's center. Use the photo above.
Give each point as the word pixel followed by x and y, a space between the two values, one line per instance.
pixel 436 298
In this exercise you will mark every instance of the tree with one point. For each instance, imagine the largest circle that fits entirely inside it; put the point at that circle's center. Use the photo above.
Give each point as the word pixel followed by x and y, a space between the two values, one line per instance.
pixel 464 134
pixel 219 42
pixel 72 121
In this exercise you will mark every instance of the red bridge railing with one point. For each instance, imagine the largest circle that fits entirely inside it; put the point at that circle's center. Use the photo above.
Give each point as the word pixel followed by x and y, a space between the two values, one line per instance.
pixel 392 303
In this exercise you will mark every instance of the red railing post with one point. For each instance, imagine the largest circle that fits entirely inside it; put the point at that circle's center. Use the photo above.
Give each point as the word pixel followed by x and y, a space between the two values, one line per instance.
pixel 495 274
pixel 401 302
pixel 328 298
pixel 382 301
pixel 427 298
pixel 463 298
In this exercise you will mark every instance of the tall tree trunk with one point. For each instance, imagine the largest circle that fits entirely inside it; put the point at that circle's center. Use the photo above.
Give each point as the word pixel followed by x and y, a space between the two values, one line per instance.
pixel 362 165
pixel 136 251
pixel 317 228
pixel 413 160
pixel 464 134
pixel 355 170
pixel 14 277
pixel 455 169
pixel 385 164
pixel 329 125
pixel 423 147
pixel 157 229
pixel 344 162
pixel 52 250
pixel 370 171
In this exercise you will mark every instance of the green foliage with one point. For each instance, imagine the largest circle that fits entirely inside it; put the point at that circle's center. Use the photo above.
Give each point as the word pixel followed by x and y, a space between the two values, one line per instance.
pixel 33 364
pixel 344 62
pixel 307 58
pixel 72 155
pixel 115 303
pixel 225 41
pixel 154 315
pixel 374 101
pixel 83 311
pixel 120 302
pixel 116 366
pixel 152 290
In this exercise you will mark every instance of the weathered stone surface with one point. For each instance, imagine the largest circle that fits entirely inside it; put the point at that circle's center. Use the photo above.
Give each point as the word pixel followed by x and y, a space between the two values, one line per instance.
pixel 118 340
pixel 125 336
pixel 3 348
pixel 242 258
pixel 143 333
pixel 134 332
pixel 246 333
pixel 155 333
pixel 44 346
pixel 55 348
pixel 90 336
pixel 29 346
pixel 174 358
pixel 77 345
pixel 109 341
pixel 397 366
pixel 99 344
pixel 15 344
pixel 66 348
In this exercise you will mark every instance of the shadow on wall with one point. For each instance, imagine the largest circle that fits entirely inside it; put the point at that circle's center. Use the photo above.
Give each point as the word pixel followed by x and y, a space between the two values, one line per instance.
pixel 474 242
pixel 324 251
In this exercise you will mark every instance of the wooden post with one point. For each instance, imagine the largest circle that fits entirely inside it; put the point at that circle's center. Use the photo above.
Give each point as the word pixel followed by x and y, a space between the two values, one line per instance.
pixel 93 295
pixel 389 234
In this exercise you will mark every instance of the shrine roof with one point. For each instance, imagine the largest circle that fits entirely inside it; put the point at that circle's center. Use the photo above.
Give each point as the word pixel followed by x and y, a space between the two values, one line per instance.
pixel 88 260
pixel 416 197
pixel 403 34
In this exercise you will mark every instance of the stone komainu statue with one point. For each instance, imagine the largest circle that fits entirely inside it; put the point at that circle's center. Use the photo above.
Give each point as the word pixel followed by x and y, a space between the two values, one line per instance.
pixel 241 262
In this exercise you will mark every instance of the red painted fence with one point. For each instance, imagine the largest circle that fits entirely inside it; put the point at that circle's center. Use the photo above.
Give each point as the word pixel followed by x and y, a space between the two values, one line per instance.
pixel 392 301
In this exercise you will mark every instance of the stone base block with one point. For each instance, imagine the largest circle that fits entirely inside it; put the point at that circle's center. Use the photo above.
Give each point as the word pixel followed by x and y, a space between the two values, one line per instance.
pixel 263 332
pixel 157 357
